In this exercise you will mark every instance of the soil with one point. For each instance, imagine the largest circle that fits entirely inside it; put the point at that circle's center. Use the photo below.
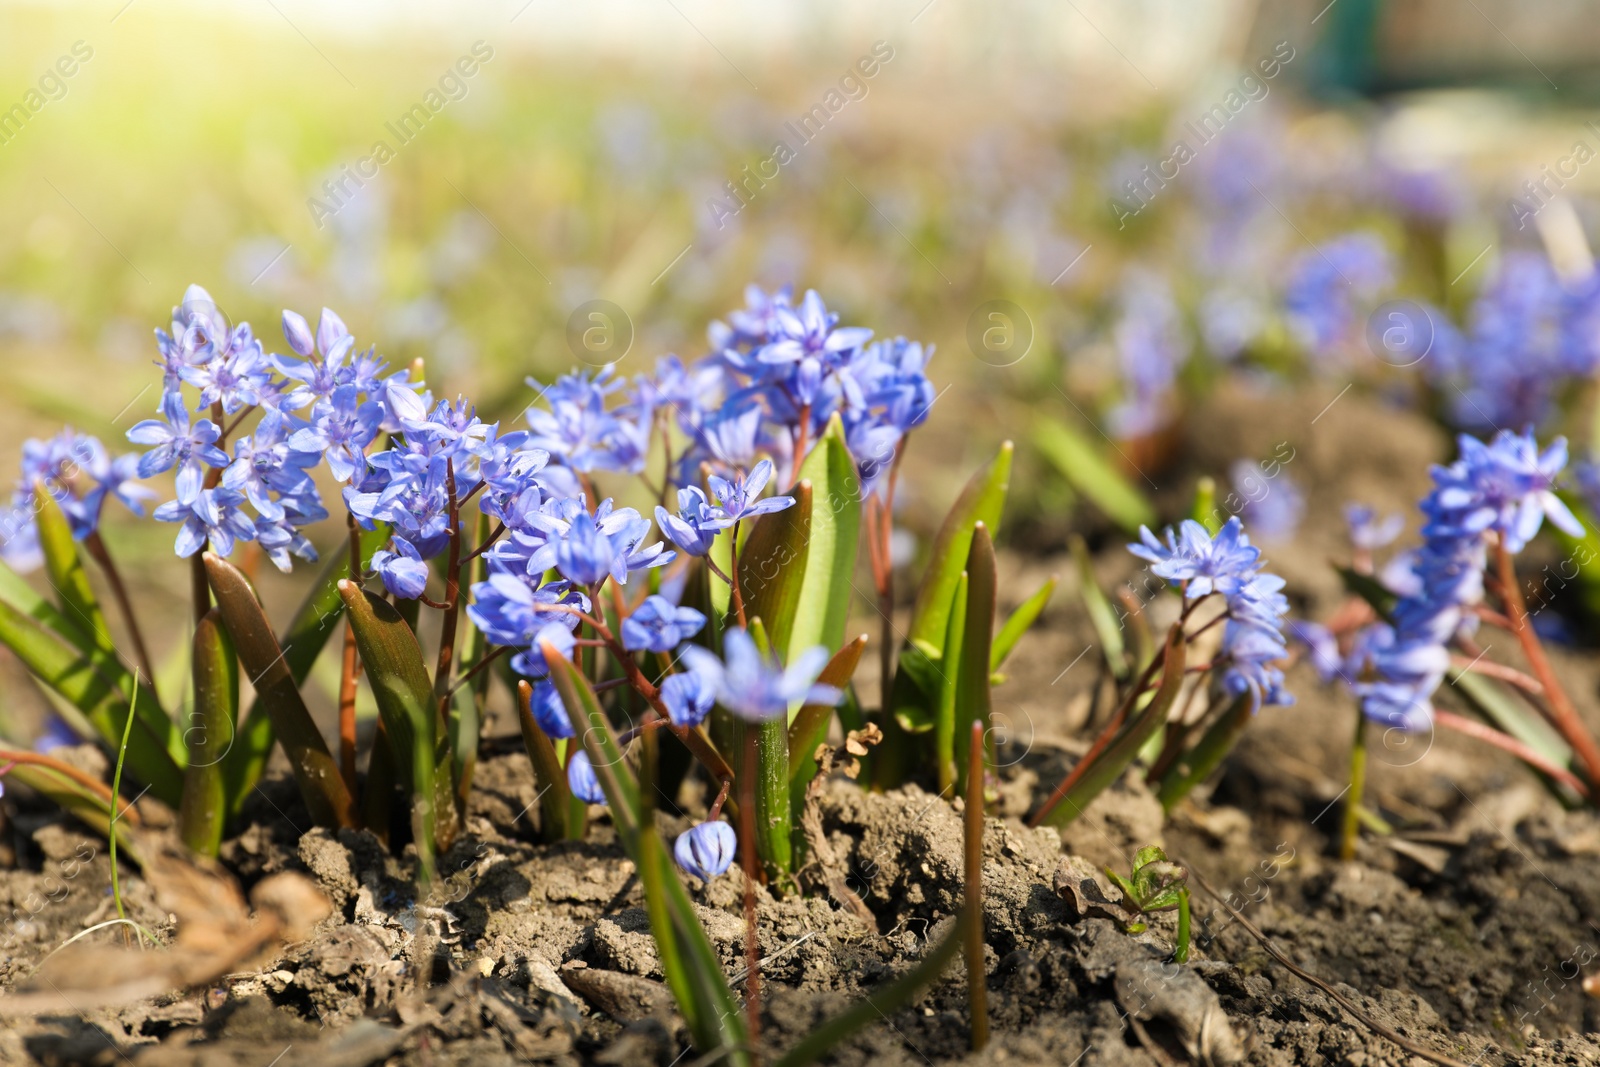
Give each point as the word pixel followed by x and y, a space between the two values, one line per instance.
pixel 1469 929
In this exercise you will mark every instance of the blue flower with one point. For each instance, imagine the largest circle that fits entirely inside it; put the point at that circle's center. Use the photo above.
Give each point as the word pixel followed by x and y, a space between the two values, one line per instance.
pixel 739 499
pixel 688 696
pixel 264 466
pixel 213 515
pixel 341 428
pixel 532 663
pixel 178 444
pixel 235 379
pixel 707 850
pixel 581 778
pixel 658 625
pixel 1328 285
pixel 1209 565
pixel 1367 533
pixel 514 608
pixel 1273 507
pixel 549 712
pixel 758 687
pixel 809 331
pixel 403 572
pixel 695 527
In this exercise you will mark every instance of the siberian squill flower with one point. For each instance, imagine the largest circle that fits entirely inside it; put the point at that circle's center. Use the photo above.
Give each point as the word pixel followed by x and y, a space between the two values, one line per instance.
pixel 177 443
pixel 688 696
pixel 706 850
pixel 213 515
pixel 758 687
pixel 548 711
pixel 581 778
pixel 659 625
pixel 341 428
pixel 1227 564
pixel 740 498
pixel 695 527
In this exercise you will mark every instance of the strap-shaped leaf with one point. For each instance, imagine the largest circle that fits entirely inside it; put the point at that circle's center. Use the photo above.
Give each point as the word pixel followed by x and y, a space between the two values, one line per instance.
pixel 1085 468
pixel 315 770
pixel 94 682
pixel 1196 765
pixel 944 732
pixel 302 642
pixel 772 567
pixel 1106 768
pixel 972 672
pixel 209 734
pixel 982 500
pixel 689 962
pixel 878 1005
pixel 835 535
pixel 25 601
pixel 64 567
pixel 810 726
pixel 593 731
pixel 1019 622
pixel 1107 626
pixel 556 809
pixel 392 660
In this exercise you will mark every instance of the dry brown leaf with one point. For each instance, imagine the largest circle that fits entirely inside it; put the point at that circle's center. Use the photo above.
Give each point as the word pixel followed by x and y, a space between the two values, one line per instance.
pixel 216 935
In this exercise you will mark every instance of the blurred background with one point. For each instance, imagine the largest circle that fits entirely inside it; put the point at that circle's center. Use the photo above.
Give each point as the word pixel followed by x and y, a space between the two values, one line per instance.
pixel 1186 213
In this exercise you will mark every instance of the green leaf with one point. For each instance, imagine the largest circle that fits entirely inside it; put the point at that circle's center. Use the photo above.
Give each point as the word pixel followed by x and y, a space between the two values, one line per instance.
pixel 593 730
pixel 93 681
pixel 1368 588
pixel 835 532
pixel 810 726
pixel 1087 470
pixel 877 1006
pixel 65 571
pixel 944 722
pixel 1107 627
pixel 25 601
pixel 204 809
pixel 302 642
pixel 555 795
pixel 972 669
pixel 981 501
pixel 1204 509
pixel 772 567
pixel 1119 755
pixel 1492 700
pixel 315 770
pixel 689 961
pixel 1196 765
pixel 94 811
pixel 393 663
pixel 1019 622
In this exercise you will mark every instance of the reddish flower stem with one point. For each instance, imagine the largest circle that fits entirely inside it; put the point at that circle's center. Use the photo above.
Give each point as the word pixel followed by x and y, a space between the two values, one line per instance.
pixel 1565 716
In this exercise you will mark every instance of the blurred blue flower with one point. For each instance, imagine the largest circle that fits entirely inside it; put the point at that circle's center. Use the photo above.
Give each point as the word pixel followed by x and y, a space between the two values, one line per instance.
pixel 706 850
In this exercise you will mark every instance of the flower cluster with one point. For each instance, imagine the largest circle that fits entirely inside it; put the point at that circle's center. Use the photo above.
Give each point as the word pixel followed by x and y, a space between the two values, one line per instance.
pixel 76 472
pixel 1229 566
pixel 1327 287
pixel 1152 347
pixel 321 403
pixel 1503 489
pixel 1529 334
pixel 779 373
